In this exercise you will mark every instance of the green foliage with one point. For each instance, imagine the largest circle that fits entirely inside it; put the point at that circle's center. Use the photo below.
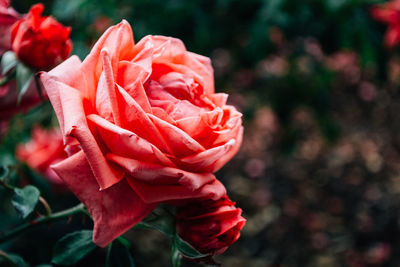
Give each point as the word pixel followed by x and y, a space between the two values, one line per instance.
pixel 73 247
pixel 8 62
pixel 176 256
pixel 160 220
pixel 186 249
pixel 12 260
pixel 25 200
pixel 164 221
pixel 118 255
pixel 24 76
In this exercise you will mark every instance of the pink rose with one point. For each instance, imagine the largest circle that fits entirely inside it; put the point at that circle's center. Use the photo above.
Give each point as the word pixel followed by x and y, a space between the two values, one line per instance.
pixel 149 123
pixel 44 149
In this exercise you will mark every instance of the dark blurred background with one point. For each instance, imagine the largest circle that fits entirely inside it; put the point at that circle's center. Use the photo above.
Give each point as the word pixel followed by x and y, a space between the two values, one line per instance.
pixel 318 175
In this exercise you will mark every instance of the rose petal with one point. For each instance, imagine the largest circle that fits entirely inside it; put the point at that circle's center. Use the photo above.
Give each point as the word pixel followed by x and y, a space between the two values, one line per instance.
pixel 106 99
pixel 156 183
pixel 154 193
pixel 131 77
pixel 136 120
pixel 119 41
pixel 181 143
pixel 49 82
pixel 231 152
pixel 67 73
pixel 203 68
pixel 155 174
pixel 127 144
pixel 163 48
pixel 166 50
pixel 75 125
pixel 219 99
pixel 205 161
pixel 219 137
pixel 114 210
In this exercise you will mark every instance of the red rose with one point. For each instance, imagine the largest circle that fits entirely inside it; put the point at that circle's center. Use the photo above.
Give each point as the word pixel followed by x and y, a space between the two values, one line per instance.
pixel 150 125
pixel 8 16
pixel 40 42
pixel 44 149
pixel 389 13
pixel 210 226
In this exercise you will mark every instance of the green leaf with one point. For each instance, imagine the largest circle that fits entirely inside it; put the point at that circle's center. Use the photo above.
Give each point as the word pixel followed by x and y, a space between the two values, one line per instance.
pixel 8 62
pixel 6 162
pixel 175 256
pixel 118 255
pixel 25 200
pixel 24 77
pixel 13 260
pixel 73 247
pixel 18 261
pixel 124 241
pixel 4 172
pixel 161 220
pixel 44 265
pixel 186 249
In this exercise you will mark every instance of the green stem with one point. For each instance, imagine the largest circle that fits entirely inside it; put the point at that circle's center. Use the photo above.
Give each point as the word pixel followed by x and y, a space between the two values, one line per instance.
pixel 46 206
pixel 8 78
pixel 3 183
pixel 7 257
pixel 42 220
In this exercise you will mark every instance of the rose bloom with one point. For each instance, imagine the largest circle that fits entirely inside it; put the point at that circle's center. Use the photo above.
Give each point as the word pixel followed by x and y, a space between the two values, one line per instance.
pixel 40 42
pixel 9 105
pixel 45 148
pixel 8 16
pixel 389 13
pixel 210 226
pixel 149 123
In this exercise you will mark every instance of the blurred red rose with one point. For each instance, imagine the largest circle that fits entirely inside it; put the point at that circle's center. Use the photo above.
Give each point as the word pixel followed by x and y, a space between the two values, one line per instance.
pixel 8 16
pixel 151 127
pixel 389 13
pixel 40 42
pixel 9 105
pixel 210 226
pixel 101 24
pixel 44 149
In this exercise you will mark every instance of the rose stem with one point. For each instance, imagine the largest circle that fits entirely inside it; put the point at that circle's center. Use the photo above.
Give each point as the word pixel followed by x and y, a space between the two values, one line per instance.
pixel 80 208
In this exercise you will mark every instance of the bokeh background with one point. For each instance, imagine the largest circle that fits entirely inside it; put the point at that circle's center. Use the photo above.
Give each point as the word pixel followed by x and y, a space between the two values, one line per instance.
pixel 318 174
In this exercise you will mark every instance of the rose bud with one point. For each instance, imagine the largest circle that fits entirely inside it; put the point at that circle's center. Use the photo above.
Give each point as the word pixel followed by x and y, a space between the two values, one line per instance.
pixel 45 148
pixel 40 42
pixel 150 125
pixel 210 226
pixel 8 16
pixel 389 13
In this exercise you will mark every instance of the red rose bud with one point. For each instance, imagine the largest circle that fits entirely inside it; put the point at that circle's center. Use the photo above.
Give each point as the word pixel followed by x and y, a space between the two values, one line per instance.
pixel 389 13
pixel 210 226
pixel 8 16
pixel 44 149
pixel 40 42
